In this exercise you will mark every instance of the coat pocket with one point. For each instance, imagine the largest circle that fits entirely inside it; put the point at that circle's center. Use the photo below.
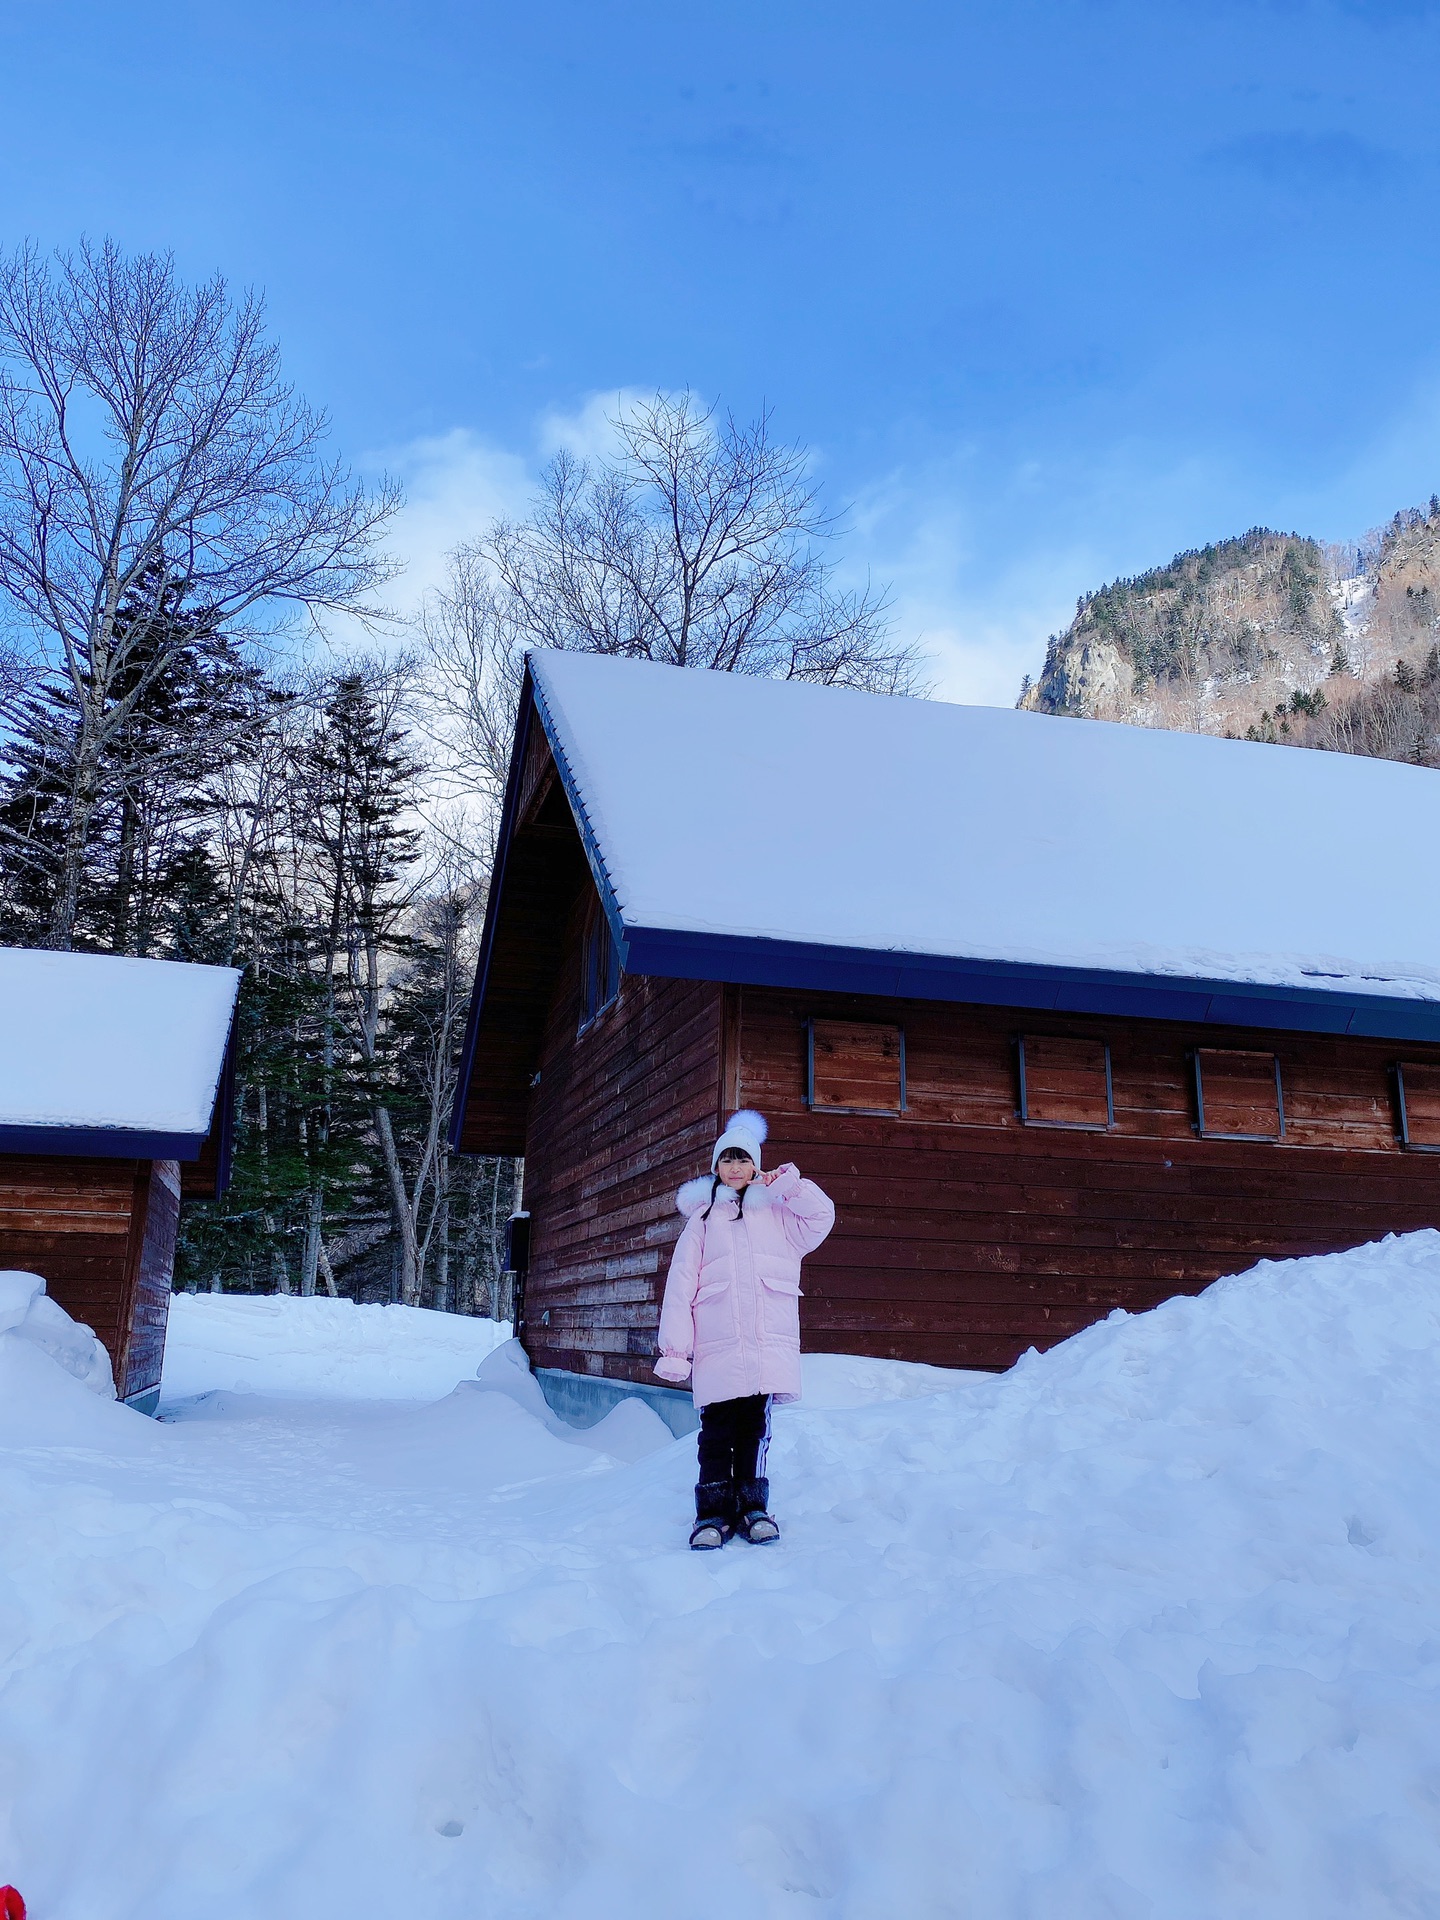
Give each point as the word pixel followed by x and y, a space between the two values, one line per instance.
pixel 780 1305
pixel 714 1316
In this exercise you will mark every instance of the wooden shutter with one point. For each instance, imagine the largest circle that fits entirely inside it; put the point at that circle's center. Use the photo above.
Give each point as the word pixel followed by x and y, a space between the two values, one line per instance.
pixel 1064 1082
pixel 855 1067
pixel 599 966
pixel 1237 1095
pixel 1418 1085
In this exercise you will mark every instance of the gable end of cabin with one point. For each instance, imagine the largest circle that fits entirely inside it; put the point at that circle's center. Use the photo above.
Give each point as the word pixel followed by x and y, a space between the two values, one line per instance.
pixel 91 1176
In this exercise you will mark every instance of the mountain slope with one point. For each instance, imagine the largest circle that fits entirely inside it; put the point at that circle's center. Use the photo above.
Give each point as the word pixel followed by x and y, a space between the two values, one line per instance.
pixel 1262 636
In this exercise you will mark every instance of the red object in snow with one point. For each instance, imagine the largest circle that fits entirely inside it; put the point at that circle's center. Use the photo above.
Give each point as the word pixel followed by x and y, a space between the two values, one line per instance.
pixel 12 1907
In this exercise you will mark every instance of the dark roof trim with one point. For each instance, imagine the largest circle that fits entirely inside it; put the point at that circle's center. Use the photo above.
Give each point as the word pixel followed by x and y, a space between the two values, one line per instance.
pixel 222 1124
pixel 102 1143
pixel 582 821
pixel 531 703
pixel 914 976
pixel 523 717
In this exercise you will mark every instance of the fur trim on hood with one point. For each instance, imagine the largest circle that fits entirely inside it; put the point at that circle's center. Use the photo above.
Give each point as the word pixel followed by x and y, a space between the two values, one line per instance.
pixel 694 1196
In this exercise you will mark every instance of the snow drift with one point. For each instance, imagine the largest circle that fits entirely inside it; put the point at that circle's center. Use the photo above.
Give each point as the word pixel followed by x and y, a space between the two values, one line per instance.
pixel 1144 1627
pixel 31 1323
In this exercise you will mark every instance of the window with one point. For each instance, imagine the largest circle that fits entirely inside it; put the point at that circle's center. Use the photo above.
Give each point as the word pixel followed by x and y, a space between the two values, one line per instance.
pixel 1064 1082
pixel 599 966
pixel 1417 1090
pixel 1238 1095
pixel 853 1067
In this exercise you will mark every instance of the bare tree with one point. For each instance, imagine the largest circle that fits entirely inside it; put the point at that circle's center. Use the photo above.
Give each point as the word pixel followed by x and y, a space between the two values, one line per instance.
pixel 475 637
pixel 153 459
pixel 247 802
pixel 427 1018
pixel 700 543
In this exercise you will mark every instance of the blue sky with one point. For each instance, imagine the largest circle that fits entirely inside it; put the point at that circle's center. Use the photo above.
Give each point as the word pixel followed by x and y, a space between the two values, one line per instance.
pixel 1050 290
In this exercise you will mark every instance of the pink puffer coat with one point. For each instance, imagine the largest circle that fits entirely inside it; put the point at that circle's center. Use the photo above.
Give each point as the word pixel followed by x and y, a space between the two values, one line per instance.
pixel 732 1297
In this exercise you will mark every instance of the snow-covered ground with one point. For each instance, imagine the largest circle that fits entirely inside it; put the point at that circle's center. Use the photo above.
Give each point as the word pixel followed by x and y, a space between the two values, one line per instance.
pixel 318 1349
pixel 1146 1627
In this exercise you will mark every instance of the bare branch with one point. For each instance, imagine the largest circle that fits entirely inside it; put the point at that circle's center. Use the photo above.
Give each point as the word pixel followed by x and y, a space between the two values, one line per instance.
pixel 150 448
pixel 701 543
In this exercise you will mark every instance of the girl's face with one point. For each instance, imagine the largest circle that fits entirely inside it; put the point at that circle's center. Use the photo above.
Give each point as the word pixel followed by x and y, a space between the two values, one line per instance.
pixel 737 1171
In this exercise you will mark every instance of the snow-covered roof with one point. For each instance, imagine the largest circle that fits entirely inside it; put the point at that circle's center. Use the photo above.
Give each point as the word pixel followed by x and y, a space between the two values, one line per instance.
pixel 95 1042
pixel 720 809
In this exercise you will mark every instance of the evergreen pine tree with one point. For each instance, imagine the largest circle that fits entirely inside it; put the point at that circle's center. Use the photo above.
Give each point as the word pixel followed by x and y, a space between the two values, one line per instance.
pixel 144 849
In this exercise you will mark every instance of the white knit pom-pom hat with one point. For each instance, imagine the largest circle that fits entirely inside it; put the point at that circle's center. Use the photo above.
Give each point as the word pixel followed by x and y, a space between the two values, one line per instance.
pixel 745 1130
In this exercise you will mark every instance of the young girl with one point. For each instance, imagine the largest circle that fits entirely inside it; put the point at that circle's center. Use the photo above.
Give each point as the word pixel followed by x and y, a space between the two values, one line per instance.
pixel 732 1306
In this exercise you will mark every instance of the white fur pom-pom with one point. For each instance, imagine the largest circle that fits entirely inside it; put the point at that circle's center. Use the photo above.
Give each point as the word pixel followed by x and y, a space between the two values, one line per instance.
pixel 753 1122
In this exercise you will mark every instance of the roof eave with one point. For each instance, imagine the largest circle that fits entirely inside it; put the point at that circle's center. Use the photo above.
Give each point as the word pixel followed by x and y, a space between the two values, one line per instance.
pixel 531 708
pixel 588 838
pixel 1054 989
pixel 101 1143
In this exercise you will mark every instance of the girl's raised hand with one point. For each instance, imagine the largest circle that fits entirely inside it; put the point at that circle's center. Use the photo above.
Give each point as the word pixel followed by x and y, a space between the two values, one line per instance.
pixel 769 1175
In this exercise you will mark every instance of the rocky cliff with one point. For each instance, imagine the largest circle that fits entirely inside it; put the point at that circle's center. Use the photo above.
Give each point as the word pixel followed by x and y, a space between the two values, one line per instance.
pixel 1258 636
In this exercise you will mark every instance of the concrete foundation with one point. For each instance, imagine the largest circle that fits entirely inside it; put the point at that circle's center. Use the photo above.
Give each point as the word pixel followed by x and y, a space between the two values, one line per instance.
pixel 581 1400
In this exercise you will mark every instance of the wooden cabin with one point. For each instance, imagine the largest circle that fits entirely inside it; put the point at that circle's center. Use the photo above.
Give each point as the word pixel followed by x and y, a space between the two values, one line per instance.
pixel 115 1104
pixel 1066 1016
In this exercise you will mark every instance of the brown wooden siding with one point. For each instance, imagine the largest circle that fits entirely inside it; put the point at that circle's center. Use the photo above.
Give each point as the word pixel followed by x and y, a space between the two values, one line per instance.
pixel 82 1224
pixel 69 1220
pixel 621 1115
pixel 149 1303
pixel 963 1236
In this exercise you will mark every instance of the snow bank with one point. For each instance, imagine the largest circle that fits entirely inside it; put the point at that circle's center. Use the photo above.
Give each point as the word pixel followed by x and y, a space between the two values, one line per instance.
pixel 31 1322
pixel 323 1349
pixel 836 1381
pixel 1145 1627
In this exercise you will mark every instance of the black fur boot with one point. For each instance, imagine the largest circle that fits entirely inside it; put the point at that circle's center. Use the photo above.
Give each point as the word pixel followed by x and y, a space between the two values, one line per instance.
pixel 752 1522
pixel 714 1515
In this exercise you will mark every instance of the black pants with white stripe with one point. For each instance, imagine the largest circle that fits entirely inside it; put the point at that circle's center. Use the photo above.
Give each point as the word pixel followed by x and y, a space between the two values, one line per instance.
pixel 734 1441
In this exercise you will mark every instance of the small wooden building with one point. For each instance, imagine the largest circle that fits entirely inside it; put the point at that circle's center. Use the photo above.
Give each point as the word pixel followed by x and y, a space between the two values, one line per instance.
pixel 115 1103
pixel 1066 1016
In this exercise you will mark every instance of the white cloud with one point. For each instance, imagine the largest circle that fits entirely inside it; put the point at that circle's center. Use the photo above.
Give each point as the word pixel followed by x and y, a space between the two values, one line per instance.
pixel 588 431
pixel 982 642
pixel 923 534
pixel 986 556
pixel 455 484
